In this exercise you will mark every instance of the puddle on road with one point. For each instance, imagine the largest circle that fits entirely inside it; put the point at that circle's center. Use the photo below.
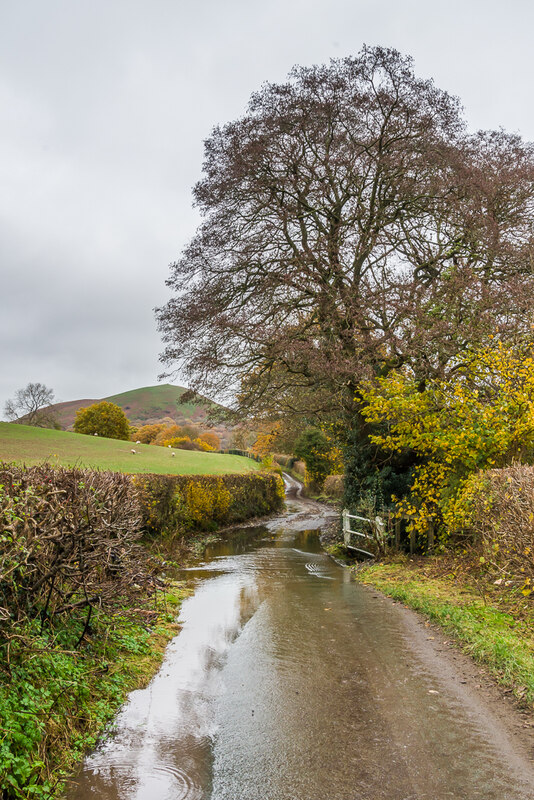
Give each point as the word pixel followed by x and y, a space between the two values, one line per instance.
pixel 288 681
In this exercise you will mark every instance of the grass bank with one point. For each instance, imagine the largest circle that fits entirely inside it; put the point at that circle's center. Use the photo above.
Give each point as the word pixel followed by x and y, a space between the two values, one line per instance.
pixel 59 699
pixel 84 611
pixel 496 628
pixel 24 444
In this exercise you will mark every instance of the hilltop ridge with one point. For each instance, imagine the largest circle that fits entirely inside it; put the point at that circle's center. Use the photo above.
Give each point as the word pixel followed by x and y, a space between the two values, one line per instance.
pixel 144 405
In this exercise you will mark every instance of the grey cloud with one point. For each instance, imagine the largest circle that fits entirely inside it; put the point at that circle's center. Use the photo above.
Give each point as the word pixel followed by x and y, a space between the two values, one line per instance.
pixel 103 110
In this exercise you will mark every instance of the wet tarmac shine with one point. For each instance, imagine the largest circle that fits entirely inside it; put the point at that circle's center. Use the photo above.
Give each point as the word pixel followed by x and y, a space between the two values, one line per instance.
pixel 289 681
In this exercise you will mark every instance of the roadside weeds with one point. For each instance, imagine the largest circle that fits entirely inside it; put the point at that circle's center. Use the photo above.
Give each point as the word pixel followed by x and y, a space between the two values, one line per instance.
pixel 497 632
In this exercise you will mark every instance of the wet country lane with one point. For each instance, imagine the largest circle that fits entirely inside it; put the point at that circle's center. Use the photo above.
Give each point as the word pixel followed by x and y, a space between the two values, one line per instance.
pixel 289 681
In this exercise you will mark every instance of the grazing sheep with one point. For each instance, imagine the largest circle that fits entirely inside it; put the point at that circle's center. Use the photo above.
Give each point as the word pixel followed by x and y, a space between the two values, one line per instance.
pixel 95 434
pixel 132 451
pixel 173 454
pixel 138 441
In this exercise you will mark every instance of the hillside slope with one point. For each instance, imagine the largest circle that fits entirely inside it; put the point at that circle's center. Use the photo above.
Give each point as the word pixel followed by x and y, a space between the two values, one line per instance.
pixel 27 445
pixel 147 404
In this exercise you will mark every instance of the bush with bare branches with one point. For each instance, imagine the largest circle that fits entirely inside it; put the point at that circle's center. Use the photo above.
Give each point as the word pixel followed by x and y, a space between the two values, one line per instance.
pixel 68 541
pixel 497 508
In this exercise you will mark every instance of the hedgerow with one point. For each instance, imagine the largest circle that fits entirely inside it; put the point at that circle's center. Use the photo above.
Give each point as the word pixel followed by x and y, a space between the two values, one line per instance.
pixel 77 589
pixel 495 509
pixel 177 504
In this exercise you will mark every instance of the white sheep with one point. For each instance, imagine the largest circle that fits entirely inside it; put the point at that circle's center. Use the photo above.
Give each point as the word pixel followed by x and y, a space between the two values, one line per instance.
pixel 138 441
pixel 132 451
pixel 173 454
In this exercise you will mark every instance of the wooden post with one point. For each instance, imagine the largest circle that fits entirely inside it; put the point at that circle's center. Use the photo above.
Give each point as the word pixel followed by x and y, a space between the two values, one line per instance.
pixel 397 534
pixel 412 542
pixel 346 534
pixel 430 537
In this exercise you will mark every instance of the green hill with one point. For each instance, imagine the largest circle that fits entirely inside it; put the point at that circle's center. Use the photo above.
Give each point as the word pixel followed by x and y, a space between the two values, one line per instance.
pixel 148 404
pixel 156 402
pixel 27 445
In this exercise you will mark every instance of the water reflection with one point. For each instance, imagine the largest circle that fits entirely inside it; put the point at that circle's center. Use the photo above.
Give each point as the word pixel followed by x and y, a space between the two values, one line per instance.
pixel 164 734
pixel 289 681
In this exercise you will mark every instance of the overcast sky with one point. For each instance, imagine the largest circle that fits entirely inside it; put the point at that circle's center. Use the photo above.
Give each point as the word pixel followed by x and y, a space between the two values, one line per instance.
pixel 104 106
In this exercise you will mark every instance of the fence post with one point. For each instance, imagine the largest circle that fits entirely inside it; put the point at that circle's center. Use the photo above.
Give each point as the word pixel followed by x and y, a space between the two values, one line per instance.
pixel 379 532
pixel 430 537
pixel 346 534
pixel 412 541
pixel 397 533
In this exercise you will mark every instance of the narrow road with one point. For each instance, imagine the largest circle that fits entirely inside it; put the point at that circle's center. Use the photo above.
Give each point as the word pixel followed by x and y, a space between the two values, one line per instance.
pixel 290 681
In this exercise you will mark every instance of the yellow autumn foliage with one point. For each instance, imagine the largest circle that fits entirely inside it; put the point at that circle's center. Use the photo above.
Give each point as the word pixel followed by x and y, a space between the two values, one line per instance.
pixel 203 445
pixel 481 417
pixel 265 441
pixel 176 504
pixel 207 501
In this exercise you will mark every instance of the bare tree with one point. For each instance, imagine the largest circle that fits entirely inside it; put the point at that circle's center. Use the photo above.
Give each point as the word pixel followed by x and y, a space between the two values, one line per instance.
pixel 350 225
pixel 31 406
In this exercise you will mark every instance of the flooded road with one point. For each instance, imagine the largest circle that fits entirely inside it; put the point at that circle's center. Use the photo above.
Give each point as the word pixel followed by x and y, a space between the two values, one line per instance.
pixel 289 681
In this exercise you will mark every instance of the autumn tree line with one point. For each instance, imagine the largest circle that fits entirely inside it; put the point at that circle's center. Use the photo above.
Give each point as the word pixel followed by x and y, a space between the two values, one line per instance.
pixel 364 267
pixel 109 420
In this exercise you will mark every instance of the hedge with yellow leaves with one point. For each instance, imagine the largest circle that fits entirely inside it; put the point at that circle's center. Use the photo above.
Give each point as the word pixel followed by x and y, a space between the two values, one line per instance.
pixel 177 504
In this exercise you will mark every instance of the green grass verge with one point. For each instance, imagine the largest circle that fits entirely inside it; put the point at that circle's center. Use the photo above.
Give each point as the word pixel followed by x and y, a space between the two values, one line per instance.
pixel 24 444
pixel 497 639
pixel 58 701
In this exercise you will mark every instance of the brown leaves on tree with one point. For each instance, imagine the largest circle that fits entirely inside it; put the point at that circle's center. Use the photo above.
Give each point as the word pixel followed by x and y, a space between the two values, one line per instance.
pixel 350 226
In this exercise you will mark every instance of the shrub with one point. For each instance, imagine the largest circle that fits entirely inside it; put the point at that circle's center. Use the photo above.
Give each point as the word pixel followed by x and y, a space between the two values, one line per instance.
pixel 105 419
pixel 179 443
pixel 496 508
pixel 208 501
pixel 300 468
pixel 313 448
pixel 203 445
pixel 67 540
pixel 283 460
pixel 147 433
pixel 167 433
pixel 334 486
pixel 211 439
pixel 177 504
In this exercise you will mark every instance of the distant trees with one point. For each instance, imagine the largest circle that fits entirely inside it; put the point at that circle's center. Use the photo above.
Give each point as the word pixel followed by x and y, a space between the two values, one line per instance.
pixel 186 437
pixel 31 406
pixel 211 439
pixel 104 419
pixel 313 448
pixel 147 433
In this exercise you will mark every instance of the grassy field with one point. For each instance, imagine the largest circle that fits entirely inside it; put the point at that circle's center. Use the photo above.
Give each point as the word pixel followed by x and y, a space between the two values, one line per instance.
pixel 157 401
pixel 27 445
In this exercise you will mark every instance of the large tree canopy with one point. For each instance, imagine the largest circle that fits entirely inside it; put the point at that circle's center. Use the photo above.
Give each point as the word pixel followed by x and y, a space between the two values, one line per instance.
pixel 350 225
